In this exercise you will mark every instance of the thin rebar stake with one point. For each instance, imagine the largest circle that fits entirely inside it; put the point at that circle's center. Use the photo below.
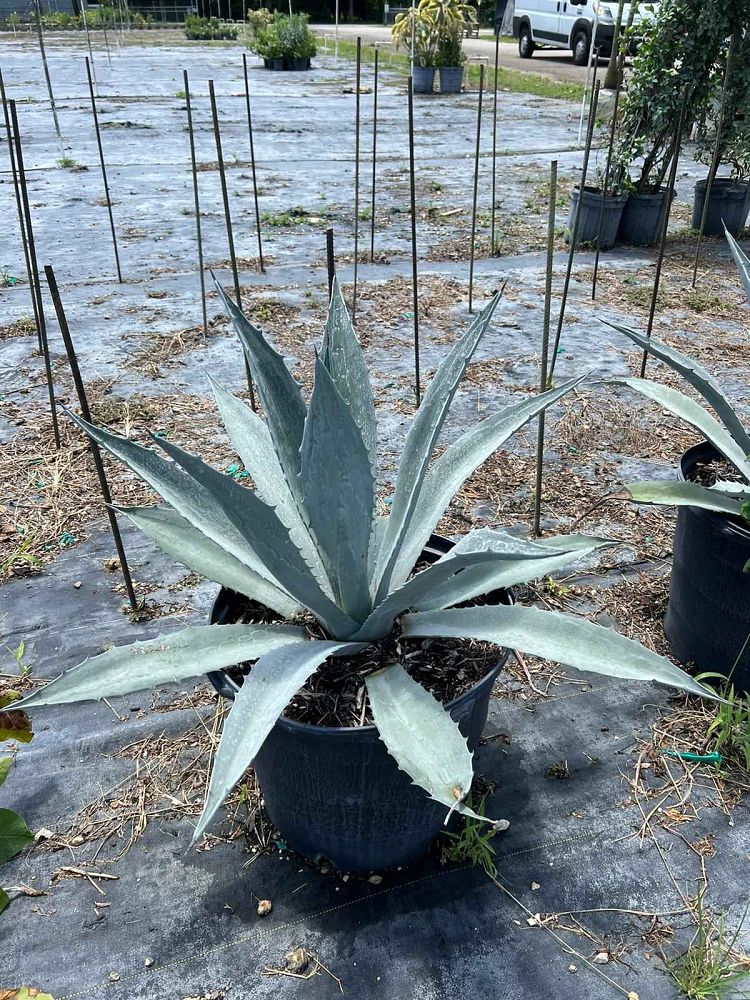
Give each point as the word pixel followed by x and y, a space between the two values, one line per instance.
pixel 543 378
pixel 605 186
pixel 356 175
pixel 19 210
pixel 85 16
pixel 228 220
pixel 494 146
pixel 713 169
pixel 196 200
pixel 374 155
pixel 665 226
pixel 40 33
pixel 574 234
pixel 106 39
pixel 330 261
pixel 414 278
pixel 472 249
pixel 104 169
pixel 36 283
pixel 252 164
pixel 86 413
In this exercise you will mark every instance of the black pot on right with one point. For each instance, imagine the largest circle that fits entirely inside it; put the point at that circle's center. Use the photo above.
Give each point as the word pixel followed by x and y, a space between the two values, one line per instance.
pixel 642 218
pixel 708 616
pixel 728 205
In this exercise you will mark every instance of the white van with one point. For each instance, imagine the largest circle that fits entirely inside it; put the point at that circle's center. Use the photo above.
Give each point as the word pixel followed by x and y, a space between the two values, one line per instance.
pixel 568 24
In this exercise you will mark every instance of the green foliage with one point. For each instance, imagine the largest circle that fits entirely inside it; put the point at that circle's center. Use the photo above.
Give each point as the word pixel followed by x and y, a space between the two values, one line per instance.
pixel 730 727
pixel 734 140
pixel 208 29
pixel 259 18
pixel 284 37
pixel 67 163
pixel 437 29
pixel 473 844
pixel 709 969
pixel 304 541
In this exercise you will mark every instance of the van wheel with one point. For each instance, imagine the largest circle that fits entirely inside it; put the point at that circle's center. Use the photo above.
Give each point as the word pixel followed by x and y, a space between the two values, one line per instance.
pixel 581 46
pixel 525 42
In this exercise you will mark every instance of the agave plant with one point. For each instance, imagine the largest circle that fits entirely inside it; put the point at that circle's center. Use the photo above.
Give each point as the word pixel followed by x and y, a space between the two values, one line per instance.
pixel 308 538
pixel 726 433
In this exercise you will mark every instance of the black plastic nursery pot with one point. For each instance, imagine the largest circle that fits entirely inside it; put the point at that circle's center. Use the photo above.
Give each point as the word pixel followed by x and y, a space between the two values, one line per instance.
pixel 708 614
pixel 642 218
pixel 423 79
pixel 591 212
pixel 336 794
pixel 287 65
pixel 451 78
pixel 728 205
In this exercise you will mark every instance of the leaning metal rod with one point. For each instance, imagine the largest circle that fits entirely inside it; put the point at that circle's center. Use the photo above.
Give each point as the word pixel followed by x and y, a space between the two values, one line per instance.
pixel 414 279
pixel 543 379
pixel 196 199
pixel 106 40
pixel 36 284
pixel 86 414
pixel 85 16
pixel 494 146
pixel 472 249
pixel 714 159
pixel 665 226
pixel 19 210
pixel 252 164
pixel 40 33
pixel 104 169
pixel 330 262
pixel 374 155
pixel 605 186
pixel 356 173
pixel 574 234
pixel 228 220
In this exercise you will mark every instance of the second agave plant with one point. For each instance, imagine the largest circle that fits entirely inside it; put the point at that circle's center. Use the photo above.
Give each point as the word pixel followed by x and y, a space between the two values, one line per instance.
pixel 321 590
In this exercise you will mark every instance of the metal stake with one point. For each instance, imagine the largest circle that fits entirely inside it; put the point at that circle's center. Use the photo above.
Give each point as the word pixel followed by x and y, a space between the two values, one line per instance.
pixel 40 33
pixel 84 15
pixel 374 155
pixel 605 185
pixel 574 234
pixel 472 249
pixel 494 145
pixel 228 220
pixel 330 261
pixel 86 413
pixel 106 39
pixel 196 200
pixel 252 164
pixel 36 284
pixel 19 210
pixel 712 171
pixel 414 278
pixel 665 226
pixel 104 170
pixel 543 382
pixel 356 174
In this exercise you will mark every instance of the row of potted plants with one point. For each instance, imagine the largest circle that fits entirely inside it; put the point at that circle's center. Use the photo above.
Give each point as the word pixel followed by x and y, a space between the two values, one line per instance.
pixel 678 72
pixel 434 30
pixel 209 29
pixel 337 628
pixel 284 42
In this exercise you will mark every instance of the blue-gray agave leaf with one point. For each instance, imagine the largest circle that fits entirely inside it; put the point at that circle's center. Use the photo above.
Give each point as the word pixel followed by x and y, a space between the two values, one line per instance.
pixel 423 739
pixel 742 261
pixel 698 377
pixel 559 637
pixel 458 462
pixel 420 443
pixel 343 357
pixel 279 394
pixel 687 409
pixel 253 443
pixel 179 539
pixel 168 659
pixel 687 495
pixel 265 693
pixel 270 539
pixel 338 490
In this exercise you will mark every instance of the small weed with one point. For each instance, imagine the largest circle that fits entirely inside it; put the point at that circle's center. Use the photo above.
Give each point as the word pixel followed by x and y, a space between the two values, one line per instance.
pixel 709 969
pixel 180 95
pixel 703 302
pixel 365 214
pixel 730 728
pixel 292 217
pixel 67 163
pixel 473 843
pixel 559 771
pixel 435 186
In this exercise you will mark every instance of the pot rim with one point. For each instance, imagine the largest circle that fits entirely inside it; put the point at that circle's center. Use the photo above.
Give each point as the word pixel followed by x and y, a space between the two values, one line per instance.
pixel 694 454
pixel 505 596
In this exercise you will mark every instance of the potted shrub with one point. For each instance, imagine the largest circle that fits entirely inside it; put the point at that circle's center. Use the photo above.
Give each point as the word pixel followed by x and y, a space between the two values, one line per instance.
pixel 285 42
pixel 208 29
pixel 671 71
pixel 416 25
pixel 708 616
pixel 450 18
pixel 729 197
pixel 323 596
pixel 600 215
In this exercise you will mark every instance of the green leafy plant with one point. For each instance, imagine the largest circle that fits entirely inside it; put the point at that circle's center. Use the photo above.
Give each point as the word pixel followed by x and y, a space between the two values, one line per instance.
pixel 308 543
pixel 14 834
pixel 208 29
pixel 727 433
pixel 734 119
pixel 415 24
pixel 709 968
pixel 285 37
pixel 473 844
